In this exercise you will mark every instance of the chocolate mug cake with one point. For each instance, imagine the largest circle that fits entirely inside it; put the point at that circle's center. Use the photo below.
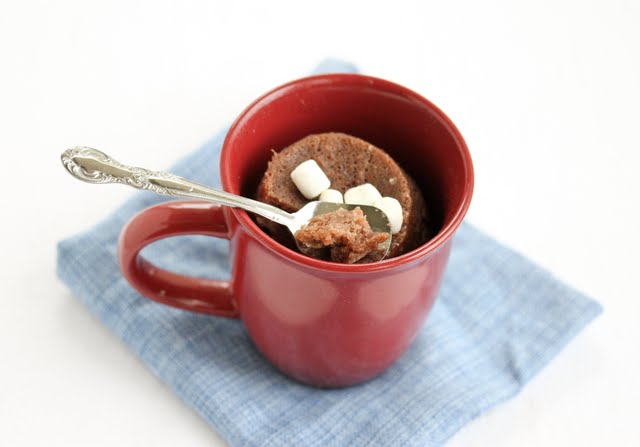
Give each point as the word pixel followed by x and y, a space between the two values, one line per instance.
pixel 348 162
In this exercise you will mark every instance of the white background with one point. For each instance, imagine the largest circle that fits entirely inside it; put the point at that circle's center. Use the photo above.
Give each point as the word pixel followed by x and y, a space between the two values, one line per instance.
pixel 546 94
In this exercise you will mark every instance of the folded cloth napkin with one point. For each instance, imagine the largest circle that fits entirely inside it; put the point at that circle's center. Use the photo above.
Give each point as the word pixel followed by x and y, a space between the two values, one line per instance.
pixel 497 321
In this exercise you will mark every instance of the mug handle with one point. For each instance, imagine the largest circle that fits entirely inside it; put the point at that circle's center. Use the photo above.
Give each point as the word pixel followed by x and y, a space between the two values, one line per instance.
pixel 176 218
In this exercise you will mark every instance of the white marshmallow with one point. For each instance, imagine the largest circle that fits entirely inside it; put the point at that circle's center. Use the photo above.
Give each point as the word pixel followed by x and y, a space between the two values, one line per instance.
pixel 309 179
pixel 365 194
pixel 331 195
pixel 392 208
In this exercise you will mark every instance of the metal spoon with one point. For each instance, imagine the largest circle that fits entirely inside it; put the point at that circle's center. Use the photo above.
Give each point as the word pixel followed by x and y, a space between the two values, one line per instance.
pixel 93 166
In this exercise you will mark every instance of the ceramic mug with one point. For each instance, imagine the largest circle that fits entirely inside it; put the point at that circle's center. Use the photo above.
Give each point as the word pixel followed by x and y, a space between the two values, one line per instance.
pixel 321 323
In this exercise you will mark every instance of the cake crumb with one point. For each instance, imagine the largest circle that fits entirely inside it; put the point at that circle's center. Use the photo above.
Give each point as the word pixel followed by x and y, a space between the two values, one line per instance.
pixel 346 235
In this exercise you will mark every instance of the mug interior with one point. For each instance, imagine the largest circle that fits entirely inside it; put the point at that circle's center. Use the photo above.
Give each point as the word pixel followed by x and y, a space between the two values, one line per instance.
pixel 414 132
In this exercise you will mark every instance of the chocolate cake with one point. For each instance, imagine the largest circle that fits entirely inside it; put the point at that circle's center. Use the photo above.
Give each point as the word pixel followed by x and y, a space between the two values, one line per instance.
pixel 345 234
pixel 348 162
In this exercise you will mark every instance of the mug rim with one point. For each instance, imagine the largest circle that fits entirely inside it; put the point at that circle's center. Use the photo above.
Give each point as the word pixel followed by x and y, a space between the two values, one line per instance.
pixel 423 251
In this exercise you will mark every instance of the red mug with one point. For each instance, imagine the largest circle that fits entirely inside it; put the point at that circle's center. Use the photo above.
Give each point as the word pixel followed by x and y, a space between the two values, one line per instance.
pixel 321 323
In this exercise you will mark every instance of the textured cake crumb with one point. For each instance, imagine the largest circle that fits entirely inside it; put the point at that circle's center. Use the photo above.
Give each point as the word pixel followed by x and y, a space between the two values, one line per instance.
pixel 346 234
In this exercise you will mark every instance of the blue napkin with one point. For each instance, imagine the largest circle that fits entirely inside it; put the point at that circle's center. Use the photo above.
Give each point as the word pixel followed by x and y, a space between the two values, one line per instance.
pixel 498 320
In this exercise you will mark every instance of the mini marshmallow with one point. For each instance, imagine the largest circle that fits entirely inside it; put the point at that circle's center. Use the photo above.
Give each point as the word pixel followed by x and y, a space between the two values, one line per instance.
pixel 309 179
pixel 331 195
pixel 392 208
pixel 365 194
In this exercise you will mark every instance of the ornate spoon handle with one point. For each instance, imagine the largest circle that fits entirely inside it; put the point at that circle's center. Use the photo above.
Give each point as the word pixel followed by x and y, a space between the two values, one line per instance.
pixel 93 166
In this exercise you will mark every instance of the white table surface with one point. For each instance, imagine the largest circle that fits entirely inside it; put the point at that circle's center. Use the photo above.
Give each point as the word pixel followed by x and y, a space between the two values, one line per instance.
pixel 546 95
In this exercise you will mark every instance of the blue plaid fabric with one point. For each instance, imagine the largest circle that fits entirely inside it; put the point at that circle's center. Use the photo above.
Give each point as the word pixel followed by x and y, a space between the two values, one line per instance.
pixel 498 320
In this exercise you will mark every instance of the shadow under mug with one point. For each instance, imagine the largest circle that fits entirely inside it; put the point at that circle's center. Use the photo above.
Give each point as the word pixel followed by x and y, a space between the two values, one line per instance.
pixel 321 323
